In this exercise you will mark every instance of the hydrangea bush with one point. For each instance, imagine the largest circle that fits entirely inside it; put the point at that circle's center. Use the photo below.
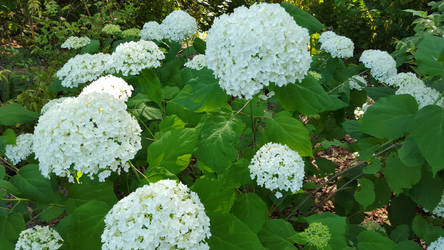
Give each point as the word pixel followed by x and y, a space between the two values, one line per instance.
pixel 271 134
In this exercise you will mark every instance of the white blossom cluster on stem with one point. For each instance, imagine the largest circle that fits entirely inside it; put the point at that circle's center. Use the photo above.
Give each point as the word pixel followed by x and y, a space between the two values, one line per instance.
pixel 131 33
pixel 337 46
pixel 253 47
pixel 52 103
pixel 111 29
pixel 437 244
pixel 161 215
pixel 132 57
pixel 93 134
pixel 197 62
pixel 112 85
pixel 21 150
pixel 74 42
pixel 39 238
pixel 277 168
pixel 178 26
pixel 381 64
pixel 151 31
pixel 83 68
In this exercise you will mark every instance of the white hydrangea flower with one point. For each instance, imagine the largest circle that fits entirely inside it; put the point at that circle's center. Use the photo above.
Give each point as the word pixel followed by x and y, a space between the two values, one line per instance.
pixel 198 62
pixel 277 168
pixel 52 103
pixel 133 32
pixel 178 26
pixel 38 238
pixel 337 46
pixel 83 68
pixel 93 134
pixel 74 42
pixel 151 31
pixel 357 82
pixel 409 84
pixel 251 48
pixel 381 64
pixel 161 215
pixel 112 85
pixel 21 150
pixel 132 57
pixel 437 244
pixel 111 29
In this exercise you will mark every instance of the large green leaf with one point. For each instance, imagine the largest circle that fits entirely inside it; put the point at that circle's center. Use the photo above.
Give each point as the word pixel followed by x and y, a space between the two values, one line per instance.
pixel 303 18
pixel 365 195
pixel 34 186
pixel 371 240
pixel 83 193
pixel 145 112
pixel 252 210
pixel 8 137
pixel 399 176
pixel 401 211
pixel 149 84
pixel 10 227
pixel 407 245
pixel 218 142
pixel 429 136
pixel 425 230
pixel 14 113
pixel 390 117
pixel 199 45
pixel 237 174
pixel 171 148
pixel 307 97
pixel 428 191
pixel 228 232
pixel 285 129
pixel 428 54
pixel 276 234
pixel 215 196
pixel 409 153
pixel 83 228
pixel 92 47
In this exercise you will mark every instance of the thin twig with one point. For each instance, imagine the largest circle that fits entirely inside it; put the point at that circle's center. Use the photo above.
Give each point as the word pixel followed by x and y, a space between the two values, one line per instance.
pixel 243 107
pixel 8 165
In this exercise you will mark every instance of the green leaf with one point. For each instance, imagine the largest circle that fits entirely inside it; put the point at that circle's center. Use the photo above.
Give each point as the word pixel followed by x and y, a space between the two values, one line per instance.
pixel 428 54
pixel 373 167
pixel 428 191
pixel 228 232
pixel 326 167
pixel 407 245
pixel 171 145
pixel 383 194
pixel 214 195
pixel 290 131
pixel 12 114
pixel 429 136
pixel 155 174
pixel 378 92
pixel 409 153
pixel 365 195
pixel 371 240
pixel 202 94
pixel 8 137
pixel 400 233
pixel 337 226
pixel 92 47
pixel 307 97
pixel 150 85
pixel 237 174
pixel 252 210
pixel 218 142
pixel 399 176
pixel 83 228
pixel 34 186
pixel 303 18
pixel 401 211
pixel 80 194
pixel 171 122
pixel 390 117
pixel 2 172
pixel 145 112
pixel 276 234
pixel 199 45
pixel 51 213
pixel 425 231
pixel 10 227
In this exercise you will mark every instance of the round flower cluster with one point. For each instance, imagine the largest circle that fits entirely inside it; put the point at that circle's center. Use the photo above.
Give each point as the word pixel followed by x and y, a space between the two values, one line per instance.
pixel 74 42
pixel 83 68
pixel 381 64
pixel 337 46
pixel 133 32
pixel 52 103
pixel 410 84
pixel 111 29
pixel 132 57
pixel 112 85
pixel 317 235
pixel 251 48
pixel 178 26
pixel 357 82
pixel 277 167
pixel 21 150
pixel 437 244
pixel 161 215
pixel 38 238
pixel 151 31
pixel 198 62
pixel 93 134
